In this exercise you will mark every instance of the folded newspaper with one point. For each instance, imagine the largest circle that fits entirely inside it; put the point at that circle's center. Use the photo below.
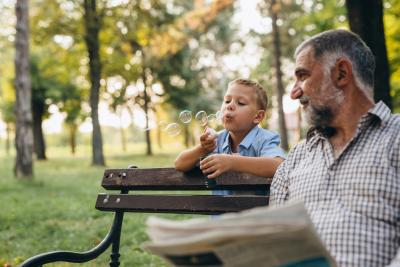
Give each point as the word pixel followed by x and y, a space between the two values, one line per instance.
pixel 267 236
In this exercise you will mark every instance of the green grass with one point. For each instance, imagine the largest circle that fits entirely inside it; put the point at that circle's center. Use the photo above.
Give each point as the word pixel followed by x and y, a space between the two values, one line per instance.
pixel 55 211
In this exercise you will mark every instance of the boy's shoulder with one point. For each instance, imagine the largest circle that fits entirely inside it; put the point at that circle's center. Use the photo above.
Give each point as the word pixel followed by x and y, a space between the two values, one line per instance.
pixel 267 134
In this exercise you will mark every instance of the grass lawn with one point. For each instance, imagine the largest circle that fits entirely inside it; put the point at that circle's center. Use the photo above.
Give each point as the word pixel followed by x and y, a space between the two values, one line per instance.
pixel 55 211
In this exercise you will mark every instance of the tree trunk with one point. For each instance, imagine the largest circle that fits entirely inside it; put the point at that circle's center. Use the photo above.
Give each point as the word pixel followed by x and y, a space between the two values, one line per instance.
pixel 72 137
pixel 186 135
pixel 366 19
pixel 8 138
pixel 149 151
pixel 122 132
pixel 23 112
pixel 132 125
pixel 159 132
pixel 92 27
pixel 39 144
pixel 277 62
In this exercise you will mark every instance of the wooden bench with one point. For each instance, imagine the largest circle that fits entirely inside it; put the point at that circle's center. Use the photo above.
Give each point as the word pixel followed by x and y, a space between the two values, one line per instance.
pixel 160 179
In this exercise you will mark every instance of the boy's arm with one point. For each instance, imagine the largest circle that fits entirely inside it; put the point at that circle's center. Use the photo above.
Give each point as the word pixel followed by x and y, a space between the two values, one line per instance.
pixel 188 158
pixel 217 164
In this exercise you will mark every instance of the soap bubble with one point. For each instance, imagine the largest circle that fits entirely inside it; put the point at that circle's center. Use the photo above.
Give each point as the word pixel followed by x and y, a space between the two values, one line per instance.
pixel 162 125
pixel 185 116
pixel 219 115
pixel 173 129
pixel 201 117
pixel 211 131
pixel 212 120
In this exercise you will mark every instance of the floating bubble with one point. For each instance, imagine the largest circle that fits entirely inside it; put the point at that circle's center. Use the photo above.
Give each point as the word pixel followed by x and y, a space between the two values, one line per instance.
pixel 218 115
pixel 173 129
pixel 162 125
pixel 211 131
pixel 201 117
pixel 185 116
pixel 212 120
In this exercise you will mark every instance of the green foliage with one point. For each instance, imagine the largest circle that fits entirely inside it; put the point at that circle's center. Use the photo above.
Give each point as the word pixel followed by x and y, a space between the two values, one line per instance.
pixel 392 30
pixel 7 111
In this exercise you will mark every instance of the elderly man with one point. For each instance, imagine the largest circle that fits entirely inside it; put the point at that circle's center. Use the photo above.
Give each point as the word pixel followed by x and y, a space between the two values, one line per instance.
pixel 347 171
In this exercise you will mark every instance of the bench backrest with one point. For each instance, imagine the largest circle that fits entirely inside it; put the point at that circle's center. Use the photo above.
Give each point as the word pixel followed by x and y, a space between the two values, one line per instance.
pixel 168 179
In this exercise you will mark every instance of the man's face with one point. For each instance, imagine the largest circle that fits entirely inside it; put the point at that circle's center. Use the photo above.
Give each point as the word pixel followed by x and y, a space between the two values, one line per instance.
pixel 315 90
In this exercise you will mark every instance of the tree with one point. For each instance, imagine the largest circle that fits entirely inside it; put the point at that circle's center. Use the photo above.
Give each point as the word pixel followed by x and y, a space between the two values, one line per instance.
pixel 274 8
pixel 70 103
pixel 23 136
pixel 155 47
pixel 40 87
pixel 392 33
pixel 366 19
pixel 45 92
pixel 92 20
pixel 8 117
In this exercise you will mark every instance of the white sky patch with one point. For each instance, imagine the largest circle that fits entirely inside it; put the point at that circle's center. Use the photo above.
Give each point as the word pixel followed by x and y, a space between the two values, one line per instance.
pixel 2 129
pixel 243 59
pixel 54 123
pixel 249 18
pixel 290 105
pixel 65 41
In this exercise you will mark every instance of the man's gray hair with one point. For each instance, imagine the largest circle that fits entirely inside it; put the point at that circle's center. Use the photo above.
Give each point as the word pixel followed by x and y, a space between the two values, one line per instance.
pixel 332 44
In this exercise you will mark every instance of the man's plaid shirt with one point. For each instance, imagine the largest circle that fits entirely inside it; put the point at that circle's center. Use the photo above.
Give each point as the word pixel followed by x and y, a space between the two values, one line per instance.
pixel 354 200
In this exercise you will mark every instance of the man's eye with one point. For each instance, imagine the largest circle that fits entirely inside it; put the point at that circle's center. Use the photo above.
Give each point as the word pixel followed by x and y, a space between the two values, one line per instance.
pixel 302 77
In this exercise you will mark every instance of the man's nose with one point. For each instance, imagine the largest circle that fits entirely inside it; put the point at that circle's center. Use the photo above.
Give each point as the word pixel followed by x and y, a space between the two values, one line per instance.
pixel 296 92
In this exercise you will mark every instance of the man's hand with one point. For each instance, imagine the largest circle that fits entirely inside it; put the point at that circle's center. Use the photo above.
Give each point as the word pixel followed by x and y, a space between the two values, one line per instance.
pixel 208 142
pixel 216 164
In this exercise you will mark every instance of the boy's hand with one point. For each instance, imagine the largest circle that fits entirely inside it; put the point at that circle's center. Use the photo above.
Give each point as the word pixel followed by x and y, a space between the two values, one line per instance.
pixel 216 164
pixel 208 142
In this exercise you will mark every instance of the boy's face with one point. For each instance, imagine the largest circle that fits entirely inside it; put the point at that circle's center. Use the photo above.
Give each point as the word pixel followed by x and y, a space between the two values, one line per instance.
pixel 240 110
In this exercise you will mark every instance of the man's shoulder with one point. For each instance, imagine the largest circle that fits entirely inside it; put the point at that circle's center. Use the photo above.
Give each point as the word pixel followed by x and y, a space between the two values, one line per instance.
pixel 391 126
pixel 298 150
pixel 394 120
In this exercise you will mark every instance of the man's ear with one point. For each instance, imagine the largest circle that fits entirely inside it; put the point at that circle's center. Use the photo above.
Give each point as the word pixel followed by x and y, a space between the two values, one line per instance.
pixel 259 116
pixel 342 72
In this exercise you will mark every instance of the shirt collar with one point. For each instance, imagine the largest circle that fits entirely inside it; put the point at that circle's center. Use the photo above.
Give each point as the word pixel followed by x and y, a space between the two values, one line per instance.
pixel 380 111
pixel 249 138
pixel 246 142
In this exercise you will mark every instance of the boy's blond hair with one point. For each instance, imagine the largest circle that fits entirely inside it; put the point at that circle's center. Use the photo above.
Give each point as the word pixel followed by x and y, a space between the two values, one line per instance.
pixel 261 95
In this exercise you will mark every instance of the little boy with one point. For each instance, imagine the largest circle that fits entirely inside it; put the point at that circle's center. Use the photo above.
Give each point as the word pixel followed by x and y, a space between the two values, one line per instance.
pixel 242 146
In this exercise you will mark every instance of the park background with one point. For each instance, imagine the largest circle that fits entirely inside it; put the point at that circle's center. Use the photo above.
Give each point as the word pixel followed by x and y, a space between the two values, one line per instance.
pixel 103 80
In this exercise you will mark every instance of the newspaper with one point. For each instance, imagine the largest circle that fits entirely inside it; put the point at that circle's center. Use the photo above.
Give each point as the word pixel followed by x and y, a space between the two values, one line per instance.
pixel 267 236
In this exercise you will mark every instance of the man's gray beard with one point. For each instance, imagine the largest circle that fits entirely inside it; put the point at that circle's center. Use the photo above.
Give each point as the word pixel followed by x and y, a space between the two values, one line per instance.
pixel 319 116
pixel 322 115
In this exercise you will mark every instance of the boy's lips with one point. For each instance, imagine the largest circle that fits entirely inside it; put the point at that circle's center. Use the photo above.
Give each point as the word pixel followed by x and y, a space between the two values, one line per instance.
pixel 228 116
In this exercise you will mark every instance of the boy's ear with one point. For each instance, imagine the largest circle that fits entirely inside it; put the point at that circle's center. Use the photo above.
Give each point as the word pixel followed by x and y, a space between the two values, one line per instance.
pixel 259 116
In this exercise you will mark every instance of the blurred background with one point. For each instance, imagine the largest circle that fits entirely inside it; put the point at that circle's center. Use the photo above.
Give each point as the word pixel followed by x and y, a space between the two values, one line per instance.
pixel 87 85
